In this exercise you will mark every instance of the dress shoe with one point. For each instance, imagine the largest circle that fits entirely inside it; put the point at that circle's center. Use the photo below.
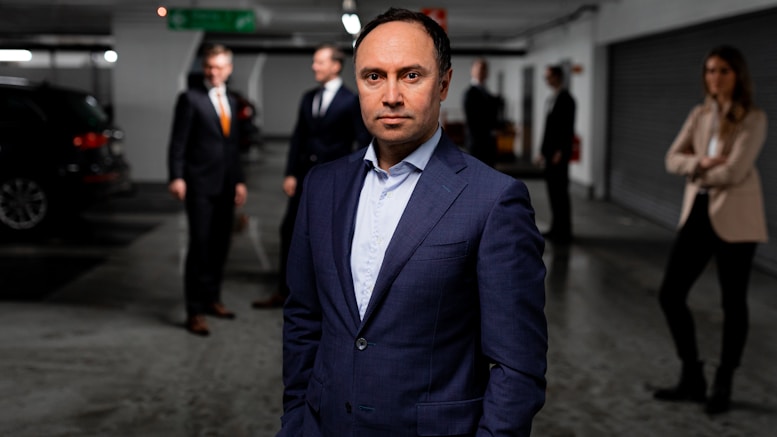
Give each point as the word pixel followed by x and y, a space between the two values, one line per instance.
pixel 217 310
pixel 720 399
pixel 692 386
pixel 274 301
pixel 197 325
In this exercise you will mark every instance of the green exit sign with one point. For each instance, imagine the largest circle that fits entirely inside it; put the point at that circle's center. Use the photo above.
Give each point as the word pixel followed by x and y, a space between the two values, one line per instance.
pixel 213 20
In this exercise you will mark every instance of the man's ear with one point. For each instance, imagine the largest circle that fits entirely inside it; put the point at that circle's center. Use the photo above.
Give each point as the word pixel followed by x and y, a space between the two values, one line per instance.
pixel 445 83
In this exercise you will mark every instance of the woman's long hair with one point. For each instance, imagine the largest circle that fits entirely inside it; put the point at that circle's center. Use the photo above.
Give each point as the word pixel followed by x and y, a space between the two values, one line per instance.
pixel 742 98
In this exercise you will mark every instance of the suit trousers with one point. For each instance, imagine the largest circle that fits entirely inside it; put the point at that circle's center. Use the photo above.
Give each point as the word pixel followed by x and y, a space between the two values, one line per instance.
pixel 287 231
pixel 696 243
pixel 557 181
pixel 211 219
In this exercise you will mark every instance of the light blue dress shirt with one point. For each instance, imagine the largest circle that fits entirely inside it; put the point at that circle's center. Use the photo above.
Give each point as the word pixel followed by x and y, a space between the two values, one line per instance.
pixel 382 202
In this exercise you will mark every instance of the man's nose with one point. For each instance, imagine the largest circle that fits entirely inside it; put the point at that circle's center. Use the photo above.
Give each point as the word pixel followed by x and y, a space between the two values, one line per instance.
pixel 393 94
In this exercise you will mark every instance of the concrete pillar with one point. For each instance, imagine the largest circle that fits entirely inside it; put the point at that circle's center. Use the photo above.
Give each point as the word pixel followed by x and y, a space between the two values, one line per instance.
pixel 151 70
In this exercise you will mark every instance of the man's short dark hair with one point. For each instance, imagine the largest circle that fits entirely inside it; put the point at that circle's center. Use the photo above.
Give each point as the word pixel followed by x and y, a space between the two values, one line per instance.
pixel 557 72
pixel 442 44
pixel 212 50
pixel 338 55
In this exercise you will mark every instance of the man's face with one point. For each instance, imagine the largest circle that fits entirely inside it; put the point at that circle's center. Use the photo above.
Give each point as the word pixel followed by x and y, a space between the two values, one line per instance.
pixel 324 67
pixel 552 80
pixel 400 89
pixel 479 71
pixel 217 69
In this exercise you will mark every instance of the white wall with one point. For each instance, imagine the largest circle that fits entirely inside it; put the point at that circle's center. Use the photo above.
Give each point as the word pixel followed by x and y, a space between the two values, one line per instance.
pixel 151 70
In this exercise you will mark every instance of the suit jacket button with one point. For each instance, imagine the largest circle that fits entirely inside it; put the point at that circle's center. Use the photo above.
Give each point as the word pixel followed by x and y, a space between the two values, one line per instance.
pixel 361 344
pixel 313 158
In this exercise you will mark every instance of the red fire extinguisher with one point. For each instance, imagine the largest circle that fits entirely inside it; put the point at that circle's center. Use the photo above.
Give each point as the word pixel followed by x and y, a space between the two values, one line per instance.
pixel 575 157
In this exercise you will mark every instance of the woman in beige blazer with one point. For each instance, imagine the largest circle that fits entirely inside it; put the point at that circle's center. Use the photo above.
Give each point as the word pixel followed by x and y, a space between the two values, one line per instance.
pixel 722 217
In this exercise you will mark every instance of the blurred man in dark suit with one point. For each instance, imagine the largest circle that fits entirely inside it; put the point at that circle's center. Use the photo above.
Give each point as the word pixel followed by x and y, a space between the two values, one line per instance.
pixel 481 109
pixel 329 125
pixel 556 151
pixel 205 173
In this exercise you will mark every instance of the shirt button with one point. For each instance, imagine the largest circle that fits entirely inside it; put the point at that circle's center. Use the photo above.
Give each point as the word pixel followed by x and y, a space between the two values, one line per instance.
pixel 361 344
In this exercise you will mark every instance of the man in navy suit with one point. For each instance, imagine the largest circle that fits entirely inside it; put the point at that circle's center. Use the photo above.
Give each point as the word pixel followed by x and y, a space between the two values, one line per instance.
pixel 416 307
pixel 205 172
pixel 328 126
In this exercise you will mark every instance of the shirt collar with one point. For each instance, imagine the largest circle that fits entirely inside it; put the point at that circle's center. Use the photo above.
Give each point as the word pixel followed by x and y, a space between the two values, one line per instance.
pixel 334 84
pixel 419 158
pixel 219 89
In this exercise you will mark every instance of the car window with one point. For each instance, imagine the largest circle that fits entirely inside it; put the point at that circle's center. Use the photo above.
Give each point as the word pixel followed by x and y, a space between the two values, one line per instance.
pixel 19 116
pixel 18 109
pixel 86 109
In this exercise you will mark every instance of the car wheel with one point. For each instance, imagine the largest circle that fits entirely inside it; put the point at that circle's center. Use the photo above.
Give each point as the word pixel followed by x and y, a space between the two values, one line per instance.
pixel 25 204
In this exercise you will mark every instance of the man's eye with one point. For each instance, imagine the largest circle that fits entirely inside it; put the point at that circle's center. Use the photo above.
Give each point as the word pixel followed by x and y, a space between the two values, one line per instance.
pixel 373 76
pixel 412 75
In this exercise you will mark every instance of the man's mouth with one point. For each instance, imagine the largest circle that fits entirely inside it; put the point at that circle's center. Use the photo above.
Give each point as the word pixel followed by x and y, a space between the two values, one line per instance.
pixel 392 118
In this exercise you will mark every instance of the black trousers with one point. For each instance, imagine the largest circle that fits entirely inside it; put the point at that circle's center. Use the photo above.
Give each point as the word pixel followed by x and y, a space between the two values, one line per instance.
pixel 211 219
pixel 693 247
pixel 287 231
pixel 557 181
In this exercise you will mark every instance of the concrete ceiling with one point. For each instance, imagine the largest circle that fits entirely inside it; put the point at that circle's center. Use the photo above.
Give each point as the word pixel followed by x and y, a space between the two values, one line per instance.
pixel 476 24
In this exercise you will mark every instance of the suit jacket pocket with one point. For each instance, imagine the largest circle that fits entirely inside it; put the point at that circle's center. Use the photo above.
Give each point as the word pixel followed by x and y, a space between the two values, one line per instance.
pixel 313 394
pixel 449 418
pixel 441 251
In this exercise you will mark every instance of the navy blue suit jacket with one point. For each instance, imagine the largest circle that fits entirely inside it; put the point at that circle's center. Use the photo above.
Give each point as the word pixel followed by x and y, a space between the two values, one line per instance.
pixel 199 152
pixel 323 139
pixel 461 287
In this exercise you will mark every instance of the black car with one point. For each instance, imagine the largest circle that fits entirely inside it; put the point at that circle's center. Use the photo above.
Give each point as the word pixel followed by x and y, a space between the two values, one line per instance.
pixel 59 152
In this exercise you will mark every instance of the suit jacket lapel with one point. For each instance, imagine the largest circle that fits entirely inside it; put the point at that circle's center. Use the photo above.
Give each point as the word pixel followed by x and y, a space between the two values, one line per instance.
pixel 333 104
pixel 437 188
pixel 706 122
pixel 350 182
pixel 208 103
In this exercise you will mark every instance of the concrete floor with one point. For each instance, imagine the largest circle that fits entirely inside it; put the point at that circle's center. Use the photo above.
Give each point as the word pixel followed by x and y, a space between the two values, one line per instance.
pixel 92 341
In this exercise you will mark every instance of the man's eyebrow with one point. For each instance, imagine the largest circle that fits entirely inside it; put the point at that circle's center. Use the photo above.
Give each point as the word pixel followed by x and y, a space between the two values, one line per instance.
pixel 366 70
pixel 414 67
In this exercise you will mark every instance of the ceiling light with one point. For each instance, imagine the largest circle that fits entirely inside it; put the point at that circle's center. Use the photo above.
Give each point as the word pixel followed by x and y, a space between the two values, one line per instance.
pixel 15 55
pixel 110 56
pixel 351 23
